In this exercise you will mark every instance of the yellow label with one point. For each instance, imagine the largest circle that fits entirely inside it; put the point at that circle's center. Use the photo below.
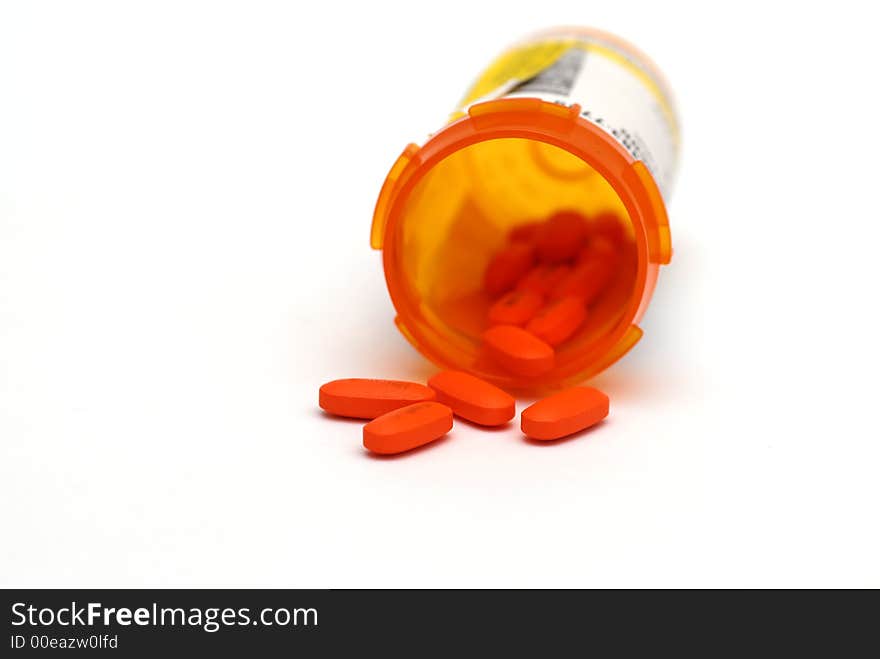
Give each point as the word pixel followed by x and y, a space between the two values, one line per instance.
pixel 615 87
pixel 518 63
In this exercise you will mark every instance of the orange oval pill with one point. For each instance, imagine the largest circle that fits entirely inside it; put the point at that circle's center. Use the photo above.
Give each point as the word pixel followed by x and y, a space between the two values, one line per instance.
pixel 363 398
pixel 507 267
pixel 564 413
pixel 598 248
pixel 407 428
pixel 524 232
pixel 608 225
pixel 542 279
pixel 472 398
pixel 515 308
pixel 586 281
pixel 561 237
pixel 518 351
pixel 558 320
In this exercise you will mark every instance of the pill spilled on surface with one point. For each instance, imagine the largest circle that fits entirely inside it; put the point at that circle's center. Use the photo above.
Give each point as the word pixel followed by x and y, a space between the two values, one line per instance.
pixel 564 413
pixel 465 395
pixel 362 398
pixel 407 428
pixel 472 398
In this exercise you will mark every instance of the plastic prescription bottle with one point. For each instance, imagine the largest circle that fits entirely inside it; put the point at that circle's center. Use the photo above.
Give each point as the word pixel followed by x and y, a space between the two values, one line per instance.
pixel 569 118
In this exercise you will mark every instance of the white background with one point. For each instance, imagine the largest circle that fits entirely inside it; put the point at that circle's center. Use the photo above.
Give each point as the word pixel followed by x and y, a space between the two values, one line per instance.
pixel 186 192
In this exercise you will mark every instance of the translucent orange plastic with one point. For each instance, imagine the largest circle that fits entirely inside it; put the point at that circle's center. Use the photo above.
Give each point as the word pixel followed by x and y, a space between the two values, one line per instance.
pixel 479 185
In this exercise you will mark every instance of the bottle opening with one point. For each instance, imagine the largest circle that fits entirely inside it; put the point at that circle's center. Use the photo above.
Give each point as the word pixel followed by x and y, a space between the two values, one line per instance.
pixel 460 215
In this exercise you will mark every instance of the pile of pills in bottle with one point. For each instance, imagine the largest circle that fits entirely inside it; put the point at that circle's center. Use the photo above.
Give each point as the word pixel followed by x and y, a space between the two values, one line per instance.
pixel 543 282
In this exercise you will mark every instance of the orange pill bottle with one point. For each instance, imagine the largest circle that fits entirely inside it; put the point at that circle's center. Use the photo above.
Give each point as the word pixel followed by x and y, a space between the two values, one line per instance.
pixel 566 119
